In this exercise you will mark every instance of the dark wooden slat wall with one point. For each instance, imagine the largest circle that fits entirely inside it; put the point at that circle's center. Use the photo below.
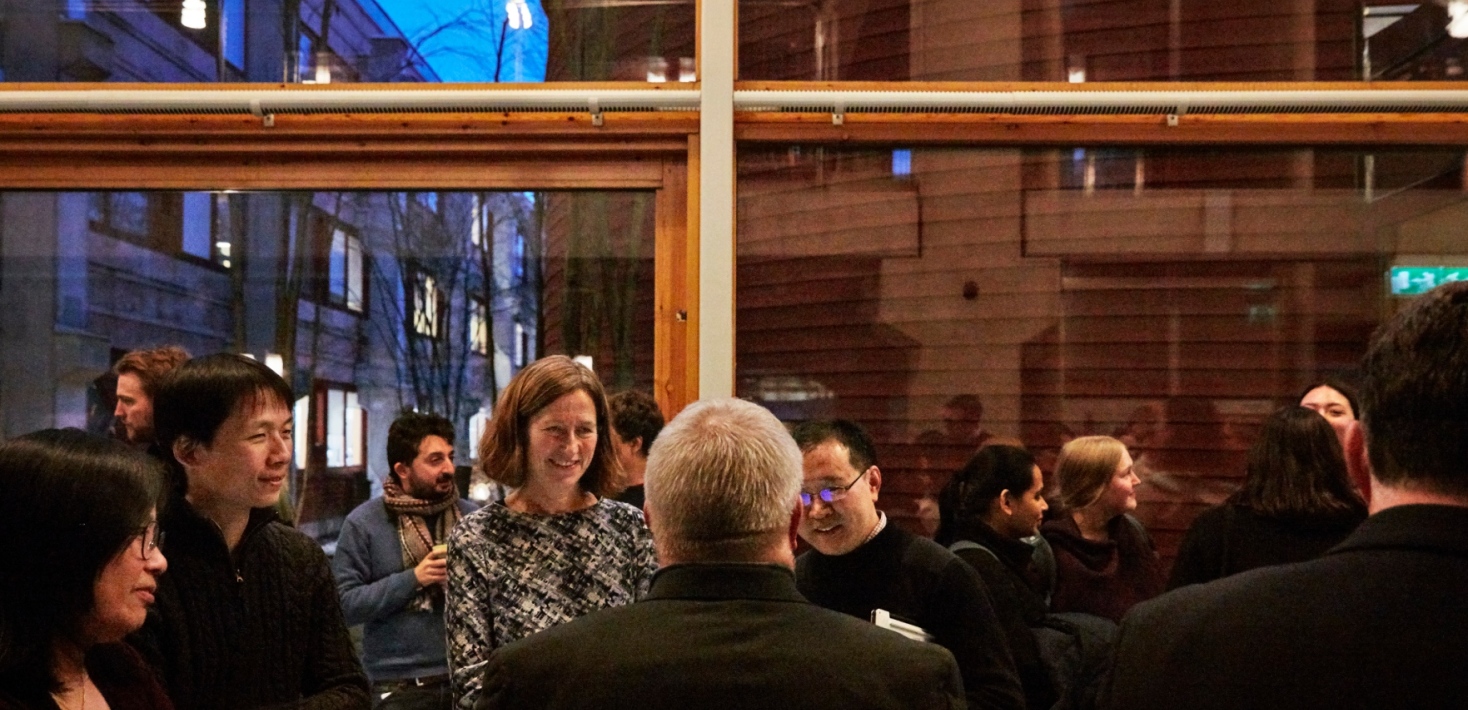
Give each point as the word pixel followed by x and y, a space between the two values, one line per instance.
pixel 1182 352
pixel 1045 40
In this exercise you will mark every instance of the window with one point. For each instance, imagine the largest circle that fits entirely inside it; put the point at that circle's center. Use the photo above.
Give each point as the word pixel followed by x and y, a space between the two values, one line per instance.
pixel 345 276
pixel 194 224
pixel 478 327
pixel 427 305
pixel 343 429
pixel 481 226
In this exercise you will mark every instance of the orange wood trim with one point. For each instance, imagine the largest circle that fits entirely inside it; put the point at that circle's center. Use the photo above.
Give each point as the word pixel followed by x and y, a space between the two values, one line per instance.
pixel 281 172
pixel 1339 129
pixel 1096 86
pixel 319 88
pixel 692 262
pixel 671 333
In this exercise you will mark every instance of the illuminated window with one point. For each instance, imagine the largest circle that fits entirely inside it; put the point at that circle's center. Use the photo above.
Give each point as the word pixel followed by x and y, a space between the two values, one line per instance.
pixel 478 327
pixel 427 305
pixel 345 279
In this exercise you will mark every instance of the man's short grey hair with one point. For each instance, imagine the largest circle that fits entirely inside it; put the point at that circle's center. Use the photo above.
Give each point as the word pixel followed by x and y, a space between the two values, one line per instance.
pixel 721 481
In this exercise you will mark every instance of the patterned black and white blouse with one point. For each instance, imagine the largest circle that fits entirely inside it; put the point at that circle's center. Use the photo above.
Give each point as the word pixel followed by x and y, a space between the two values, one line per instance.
pixel 512 574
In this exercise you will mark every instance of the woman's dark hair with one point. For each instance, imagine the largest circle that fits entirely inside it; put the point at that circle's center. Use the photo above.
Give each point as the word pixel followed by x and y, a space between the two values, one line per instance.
pixel 71 502
pixel 503 447
pixel 1339 383
pixel 1296 469
pixel 971 492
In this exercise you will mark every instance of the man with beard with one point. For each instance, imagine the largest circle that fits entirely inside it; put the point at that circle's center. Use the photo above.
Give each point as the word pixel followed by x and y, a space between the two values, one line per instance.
pixel 391 566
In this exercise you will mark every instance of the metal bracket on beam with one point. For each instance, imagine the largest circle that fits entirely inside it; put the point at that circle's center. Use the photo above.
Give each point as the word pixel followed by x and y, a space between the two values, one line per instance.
pixel 266 119
pixel 1176 116
pixel 838 114
pixel 596 115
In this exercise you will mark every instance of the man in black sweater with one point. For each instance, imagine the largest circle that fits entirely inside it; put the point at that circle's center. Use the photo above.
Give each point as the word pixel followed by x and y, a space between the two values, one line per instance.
pixel 247 615
pixel 860 564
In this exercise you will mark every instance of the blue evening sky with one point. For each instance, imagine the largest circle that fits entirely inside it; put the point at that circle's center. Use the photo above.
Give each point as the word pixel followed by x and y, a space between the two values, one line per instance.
pixel 461 39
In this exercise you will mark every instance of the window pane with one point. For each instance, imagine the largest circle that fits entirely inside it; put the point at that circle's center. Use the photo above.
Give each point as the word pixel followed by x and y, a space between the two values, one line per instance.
pixel 336 428
pixel 354 430
pixel 1173 298
pixel 358 41
pixel 1096 40
pixel 567 273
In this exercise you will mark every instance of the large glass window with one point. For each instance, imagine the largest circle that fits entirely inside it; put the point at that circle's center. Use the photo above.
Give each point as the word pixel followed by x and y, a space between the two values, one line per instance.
pixel 1098 40
pixel 326 286
pixel 945 298
pixel 336 41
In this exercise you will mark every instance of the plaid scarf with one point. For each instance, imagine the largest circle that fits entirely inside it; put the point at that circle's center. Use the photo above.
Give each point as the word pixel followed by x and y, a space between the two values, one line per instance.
pixel 417 539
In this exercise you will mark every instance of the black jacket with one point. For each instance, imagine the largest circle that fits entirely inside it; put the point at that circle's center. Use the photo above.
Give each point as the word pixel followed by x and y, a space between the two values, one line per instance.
pixel 1229 539
pixel 257 628
pixel 918 581
pixel 720 637
pixel 1378 622
pixel 1008 570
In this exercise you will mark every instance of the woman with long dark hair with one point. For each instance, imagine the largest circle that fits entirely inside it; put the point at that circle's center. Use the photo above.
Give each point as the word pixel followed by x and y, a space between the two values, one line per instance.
pixel 78 517
pixel 1296 502
pixel 1335 398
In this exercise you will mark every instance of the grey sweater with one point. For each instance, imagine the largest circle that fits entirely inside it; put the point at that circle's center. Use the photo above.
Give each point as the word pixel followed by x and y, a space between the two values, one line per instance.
pixel 375 590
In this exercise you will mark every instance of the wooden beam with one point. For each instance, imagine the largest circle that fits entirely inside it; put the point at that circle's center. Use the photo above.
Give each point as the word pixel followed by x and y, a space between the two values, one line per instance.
pixel 307 172
pixel 675 337
pixel 990 129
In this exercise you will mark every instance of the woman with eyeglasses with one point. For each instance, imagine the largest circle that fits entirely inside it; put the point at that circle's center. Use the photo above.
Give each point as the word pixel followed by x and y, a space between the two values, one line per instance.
pixel 78 517
pixel 558 547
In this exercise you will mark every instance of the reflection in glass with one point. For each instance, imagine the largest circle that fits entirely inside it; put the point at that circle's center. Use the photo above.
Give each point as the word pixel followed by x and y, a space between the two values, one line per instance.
pixel 1097 40
pixel 367 302
pixel 342 41
pixel 1170 298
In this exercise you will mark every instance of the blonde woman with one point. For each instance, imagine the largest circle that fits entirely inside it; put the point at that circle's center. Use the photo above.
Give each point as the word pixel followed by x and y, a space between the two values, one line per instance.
pixel 1105 561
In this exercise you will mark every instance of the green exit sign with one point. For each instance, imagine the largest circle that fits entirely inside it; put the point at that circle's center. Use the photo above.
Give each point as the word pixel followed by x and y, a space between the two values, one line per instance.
pixel 1413 280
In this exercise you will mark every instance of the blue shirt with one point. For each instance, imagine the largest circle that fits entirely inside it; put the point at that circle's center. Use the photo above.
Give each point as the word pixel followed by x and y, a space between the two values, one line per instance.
pixel 375 590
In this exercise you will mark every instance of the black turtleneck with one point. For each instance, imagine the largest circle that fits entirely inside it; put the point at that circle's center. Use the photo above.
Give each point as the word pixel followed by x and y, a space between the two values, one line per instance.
pixel 918 581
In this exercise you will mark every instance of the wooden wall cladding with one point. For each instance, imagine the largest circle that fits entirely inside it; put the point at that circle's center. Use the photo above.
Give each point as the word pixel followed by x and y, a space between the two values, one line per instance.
pixel 1085 326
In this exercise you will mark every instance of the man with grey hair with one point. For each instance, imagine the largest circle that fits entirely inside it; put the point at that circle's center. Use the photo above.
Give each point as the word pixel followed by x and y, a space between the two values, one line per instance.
pixel 723 626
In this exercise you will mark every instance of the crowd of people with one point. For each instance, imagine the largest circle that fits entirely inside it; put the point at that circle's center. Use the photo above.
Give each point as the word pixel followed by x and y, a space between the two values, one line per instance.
pixel 633 564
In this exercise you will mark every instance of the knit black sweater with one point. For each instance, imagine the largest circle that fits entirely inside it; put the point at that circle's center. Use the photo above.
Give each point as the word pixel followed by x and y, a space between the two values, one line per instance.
pixel 259 627
pixel 918 581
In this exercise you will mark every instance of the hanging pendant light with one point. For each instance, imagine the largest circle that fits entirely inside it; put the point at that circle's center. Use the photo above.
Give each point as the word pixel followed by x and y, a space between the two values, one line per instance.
pixel 193 15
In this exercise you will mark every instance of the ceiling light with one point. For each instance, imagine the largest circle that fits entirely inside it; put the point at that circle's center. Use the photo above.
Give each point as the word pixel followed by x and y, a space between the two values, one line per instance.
pixel 1458 19
pixel 193 15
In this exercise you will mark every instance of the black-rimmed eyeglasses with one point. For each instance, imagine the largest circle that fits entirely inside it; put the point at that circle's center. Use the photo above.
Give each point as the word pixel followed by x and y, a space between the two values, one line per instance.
pixel 830 494
pixel 152 537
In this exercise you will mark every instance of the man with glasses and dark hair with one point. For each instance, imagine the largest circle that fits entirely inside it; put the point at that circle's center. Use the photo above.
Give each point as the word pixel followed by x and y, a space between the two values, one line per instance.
pixel 723 627
pixel 863 566
pixel 248 615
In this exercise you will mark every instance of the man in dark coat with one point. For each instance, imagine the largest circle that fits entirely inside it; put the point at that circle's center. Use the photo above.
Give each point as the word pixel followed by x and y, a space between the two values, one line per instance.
pixel 1379 621
pixel 723 626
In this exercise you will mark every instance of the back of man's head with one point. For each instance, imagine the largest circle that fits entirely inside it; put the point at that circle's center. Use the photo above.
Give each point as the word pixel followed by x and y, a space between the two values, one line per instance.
pixel 1415 395
pixel 722 483
pixel 151 366
pixel 635 414
pixel 202 393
